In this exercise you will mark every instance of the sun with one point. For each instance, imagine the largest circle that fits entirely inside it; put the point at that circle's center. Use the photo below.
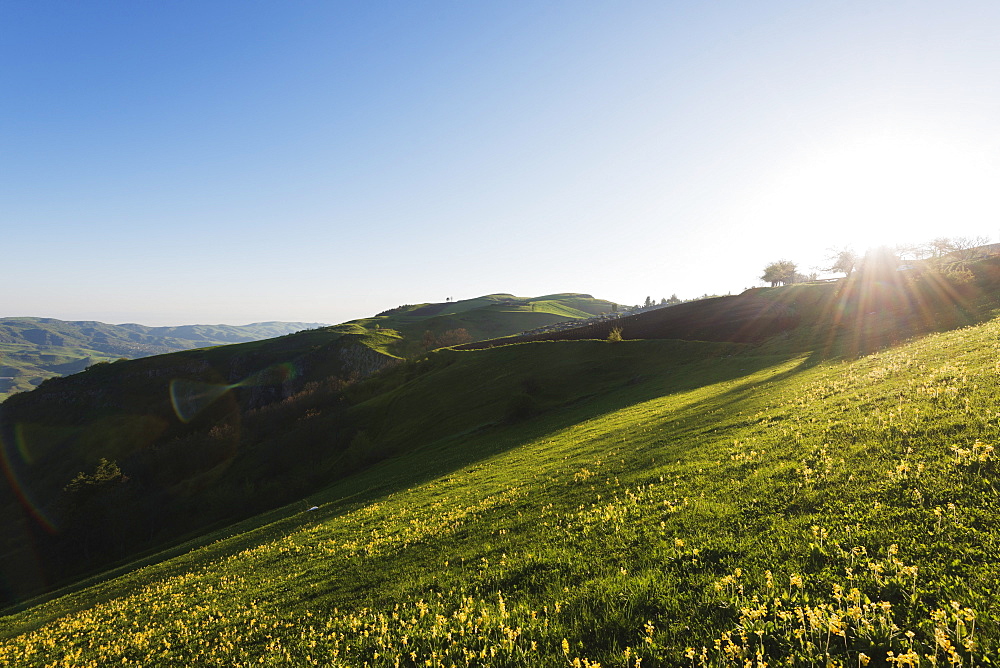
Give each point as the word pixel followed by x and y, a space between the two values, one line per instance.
pixel 884 189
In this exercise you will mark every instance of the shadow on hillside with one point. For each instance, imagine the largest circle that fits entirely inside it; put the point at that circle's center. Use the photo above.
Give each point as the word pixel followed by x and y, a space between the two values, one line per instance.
pixel 738 319
pixel 407 470
pixel 851 317
pixel 847 319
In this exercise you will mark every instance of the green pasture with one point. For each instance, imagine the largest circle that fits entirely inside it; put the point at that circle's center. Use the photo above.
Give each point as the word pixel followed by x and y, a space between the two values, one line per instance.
pixel 584 503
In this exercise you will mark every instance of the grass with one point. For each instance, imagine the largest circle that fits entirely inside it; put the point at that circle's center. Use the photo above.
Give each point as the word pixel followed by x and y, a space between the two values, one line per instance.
pixel 154 417
pixel 486 317
pixel 660 504
pixel 26 364
pixel 584 503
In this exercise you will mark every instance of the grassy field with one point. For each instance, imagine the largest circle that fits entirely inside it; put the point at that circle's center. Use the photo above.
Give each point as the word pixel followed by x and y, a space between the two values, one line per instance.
pixel 485 317
pixel 202 438
pixel 584 503
pixel 35 349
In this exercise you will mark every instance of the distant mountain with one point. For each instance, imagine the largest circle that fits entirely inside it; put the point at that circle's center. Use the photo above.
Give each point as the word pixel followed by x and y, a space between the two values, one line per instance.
pixel 35 349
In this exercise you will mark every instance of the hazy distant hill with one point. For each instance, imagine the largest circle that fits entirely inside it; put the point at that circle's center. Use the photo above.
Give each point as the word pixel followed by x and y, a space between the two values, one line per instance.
pixel 33 349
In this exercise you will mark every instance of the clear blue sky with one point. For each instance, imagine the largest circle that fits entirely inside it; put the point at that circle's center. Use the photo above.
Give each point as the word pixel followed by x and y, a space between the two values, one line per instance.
pixel 228 162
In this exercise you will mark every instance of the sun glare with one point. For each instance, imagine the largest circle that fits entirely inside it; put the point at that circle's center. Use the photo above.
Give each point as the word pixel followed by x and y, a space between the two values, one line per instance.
pixel 885 190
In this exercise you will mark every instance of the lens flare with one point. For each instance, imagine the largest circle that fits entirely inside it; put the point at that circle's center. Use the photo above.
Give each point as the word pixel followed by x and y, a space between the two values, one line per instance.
pixel 190 397
pixel 11 459
pixel 275 374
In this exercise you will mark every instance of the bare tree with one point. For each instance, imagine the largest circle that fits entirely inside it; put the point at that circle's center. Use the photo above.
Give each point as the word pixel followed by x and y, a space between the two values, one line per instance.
pixel 964 249
pixel 939 247
pixel 912 251
pixel 454 337
pixel 842 260
pixel 943 250
pixel 880 262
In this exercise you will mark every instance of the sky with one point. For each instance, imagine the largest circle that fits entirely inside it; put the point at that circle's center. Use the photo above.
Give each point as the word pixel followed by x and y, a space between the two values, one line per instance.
pixel 212 162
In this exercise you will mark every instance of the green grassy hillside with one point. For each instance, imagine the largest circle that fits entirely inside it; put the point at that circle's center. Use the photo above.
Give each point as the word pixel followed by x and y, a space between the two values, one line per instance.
pixel 35 349
pixel 427 326
pixel 208 436
pixel 642 503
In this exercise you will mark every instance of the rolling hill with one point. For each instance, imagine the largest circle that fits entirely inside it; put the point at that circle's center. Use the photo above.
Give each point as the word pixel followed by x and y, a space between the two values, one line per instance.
pixel 215 434
pixel 824 493
pixel 35 349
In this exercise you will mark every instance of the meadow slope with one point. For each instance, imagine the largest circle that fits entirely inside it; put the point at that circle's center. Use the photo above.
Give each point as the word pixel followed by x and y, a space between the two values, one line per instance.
pixel 33 350
pixel 201 438
pixel 673 504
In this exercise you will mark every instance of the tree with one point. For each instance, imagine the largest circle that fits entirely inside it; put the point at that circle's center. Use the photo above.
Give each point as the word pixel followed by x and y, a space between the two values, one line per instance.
pixel 454 337
pixel 939 247
pixel 943 250
pixel 429 341
pixel 964 249
pixel 780 272
pixel 648 303
pixel 880 263
pixel 674 299
pixel 106 475
pixel 908 251
pixel 842 260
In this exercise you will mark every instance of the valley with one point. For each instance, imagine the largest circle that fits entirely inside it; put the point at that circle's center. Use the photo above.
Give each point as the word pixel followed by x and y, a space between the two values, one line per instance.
pixel 33 350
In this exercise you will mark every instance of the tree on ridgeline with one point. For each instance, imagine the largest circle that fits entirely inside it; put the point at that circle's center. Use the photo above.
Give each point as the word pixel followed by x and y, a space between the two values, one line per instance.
pixel 842 260
pixel 781 272
pixel 963 249
pixel 939 247
pixel 880 263
pixel 944 250
pixel 909 252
